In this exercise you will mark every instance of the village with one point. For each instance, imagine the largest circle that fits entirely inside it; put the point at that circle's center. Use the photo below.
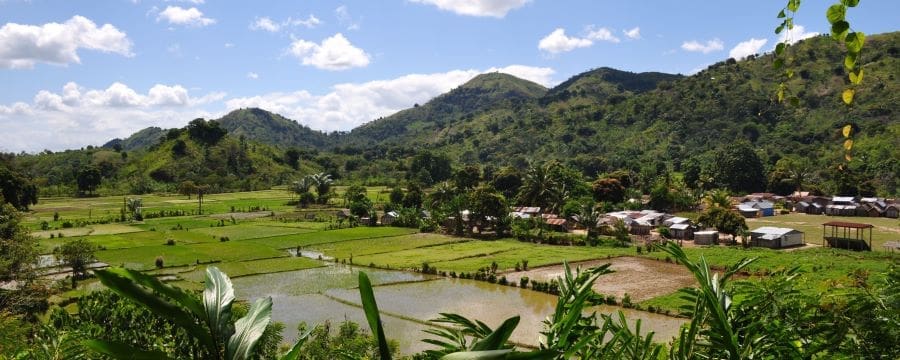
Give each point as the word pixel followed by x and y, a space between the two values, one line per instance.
pixel 651 226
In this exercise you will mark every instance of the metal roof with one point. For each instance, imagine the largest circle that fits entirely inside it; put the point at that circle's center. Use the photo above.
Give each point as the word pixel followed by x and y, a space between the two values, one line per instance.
pixel 849 225
pixel 769 230
pixel 679 226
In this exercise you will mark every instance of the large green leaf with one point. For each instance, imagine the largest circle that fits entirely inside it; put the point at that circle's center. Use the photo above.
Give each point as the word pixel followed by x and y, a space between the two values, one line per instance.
pixel 130 289
pixel 217 300
pixel 372 315
pixel 294 353
pixel 122 351
pixel 185 299
pixel 497 339
pixel 248 330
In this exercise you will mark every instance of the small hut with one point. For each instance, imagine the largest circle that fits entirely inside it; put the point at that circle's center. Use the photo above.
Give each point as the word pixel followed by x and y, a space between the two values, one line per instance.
pixel 681 231
pixel 389 217
pixel 776 238
pixel 707 237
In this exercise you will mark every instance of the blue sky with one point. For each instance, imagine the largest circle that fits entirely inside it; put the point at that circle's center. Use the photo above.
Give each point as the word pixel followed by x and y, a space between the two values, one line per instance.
pixel 82 72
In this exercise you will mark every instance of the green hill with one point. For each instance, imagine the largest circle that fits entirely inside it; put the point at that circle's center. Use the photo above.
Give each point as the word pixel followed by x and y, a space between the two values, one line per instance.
pixel 270 128
pixel 139 140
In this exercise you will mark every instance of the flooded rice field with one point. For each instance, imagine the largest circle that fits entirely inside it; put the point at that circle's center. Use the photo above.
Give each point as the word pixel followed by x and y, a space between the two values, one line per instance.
pixel 409 299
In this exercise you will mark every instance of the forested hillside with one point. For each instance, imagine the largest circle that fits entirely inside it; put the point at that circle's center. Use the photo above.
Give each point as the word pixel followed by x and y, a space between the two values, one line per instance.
pixel 649 124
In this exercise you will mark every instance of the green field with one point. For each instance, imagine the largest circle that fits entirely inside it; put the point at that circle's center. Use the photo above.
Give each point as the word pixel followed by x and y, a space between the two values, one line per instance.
pixel 258 242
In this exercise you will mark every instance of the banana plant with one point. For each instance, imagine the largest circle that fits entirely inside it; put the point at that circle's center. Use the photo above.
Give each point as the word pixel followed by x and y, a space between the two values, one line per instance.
pixel 208 320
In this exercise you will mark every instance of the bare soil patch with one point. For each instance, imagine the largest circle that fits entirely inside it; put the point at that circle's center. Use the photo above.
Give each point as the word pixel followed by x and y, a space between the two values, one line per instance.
pixel 640 278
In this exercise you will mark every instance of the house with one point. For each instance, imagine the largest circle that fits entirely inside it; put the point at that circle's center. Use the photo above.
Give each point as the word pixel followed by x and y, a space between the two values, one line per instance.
pixel 676 220
pixel 368 220
pixel 756 208
pixel 892 211
pixel 802 207
pixel 869 209
pixel 706 237
pixel 389 217
pixel 776 238
pixel 342 213
pixel 557 224
pixel 682 231
pixel 748 211
pixel 638 227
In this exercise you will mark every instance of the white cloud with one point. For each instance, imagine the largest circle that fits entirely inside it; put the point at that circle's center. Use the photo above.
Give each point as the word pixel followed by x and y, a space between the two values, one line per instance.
pixel 77 116
pixel 601 34
pixel 195 2
pixel 267 24
pixel 310 22
pixel 796 34
pixel 633 33
pixel 557 42
pixel 706 48
pixel 180 16
pixel 252 75
pixel 22 46
pixel 747 48
pixel 264 23
pixel 229 45
pixel 352 104
pixel 344 18
pixel 334 53
pixel 493 8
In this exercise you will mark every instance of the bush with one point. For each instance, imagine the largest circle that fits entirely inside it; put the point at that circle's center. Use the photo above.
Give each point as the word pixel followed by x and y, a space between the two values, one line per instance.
pixel 159 262
pixel 45 225
pixel 67 224
pixel 224 239
pixel 626 301
pixel 170 242
pixel 523 282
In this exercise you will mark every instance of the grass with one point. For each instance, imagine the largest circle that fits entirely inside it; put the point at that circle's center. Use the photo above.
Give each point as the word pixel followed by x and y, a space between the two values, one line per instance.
pixel 413 258
pixel 886 229
pixel 143 258
pixel 246 231
pixel 330 236
pixel 383 245
pixel 253 267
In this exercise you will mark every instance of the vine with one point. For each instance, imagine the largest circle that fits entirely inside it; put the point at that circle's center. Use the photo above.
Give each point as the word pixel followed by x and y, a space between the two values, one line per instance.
pixel 841 32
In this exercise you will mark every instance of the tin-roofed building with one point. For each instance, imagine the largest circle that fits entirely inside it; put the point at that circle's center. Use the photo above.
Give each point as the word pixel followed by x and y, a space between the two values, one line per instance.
pixel 776 238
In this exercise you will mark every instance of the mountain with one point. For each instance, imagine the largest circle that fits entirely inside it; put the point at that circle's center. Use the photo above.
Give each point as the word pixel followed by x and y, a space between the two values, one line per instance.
pixel 483 93
pixel 139 140
pixel 263 126
pixel 604 82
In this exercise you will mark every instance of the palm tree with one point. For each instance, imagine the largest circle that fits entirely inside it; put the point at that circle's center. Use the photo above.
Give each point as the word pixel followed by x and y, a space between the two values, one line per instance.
pixel 322 182
pixel 717 198
pixel 539 186
pixel 588 216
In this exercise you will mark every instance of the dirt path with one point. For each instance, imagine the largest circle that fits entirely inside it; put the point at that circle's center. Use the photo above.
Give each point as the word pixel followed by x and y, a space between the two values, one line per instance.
pixel 642 279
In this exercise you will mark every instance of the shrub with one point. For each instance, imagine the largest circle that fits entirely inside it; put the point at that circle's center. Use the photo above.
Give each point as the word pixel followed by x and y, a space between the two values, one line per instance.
pixel 45 225
pixel 523 282
pixel 626 301
pixel 224 239
pixel 159 262
pixel 67 224
pixel 52 235
pixel 170 242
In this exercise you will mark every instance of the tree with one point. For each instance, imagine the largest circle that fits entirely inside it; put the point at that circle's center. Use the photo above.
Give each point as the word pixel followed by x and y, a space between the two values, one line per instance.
pixel 88 179
pixel 15 188
pixel 413 197
pixel 76 254
pixel 322 182
pixel 725 220
pixel 396 195
pixel 18 252
pixel 135 207
pixel 429 169
pixel 620 232
pixel 187 188
pixel 717 198
pixel 539 186
pixel 508 181
pixel 292 158
pixel 608 190
pixel 736 167
pixel 588 217
pixel 207 133
pixel 301 188
pixel 486 203
pixel 661 197
pixel 467 178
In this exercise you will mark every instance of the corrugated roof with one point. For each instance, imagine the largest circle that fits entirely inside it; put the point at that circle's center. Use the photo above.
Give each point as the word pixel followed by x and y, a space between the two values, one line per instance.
pixel 555 221
pixel 769 230
pixel 679 226
pixel 848 225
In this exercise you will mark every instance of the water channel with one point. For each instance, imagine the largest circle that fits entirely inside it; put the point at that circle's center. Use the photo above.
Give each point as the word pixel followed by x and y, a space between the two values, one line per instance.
pixel 407 299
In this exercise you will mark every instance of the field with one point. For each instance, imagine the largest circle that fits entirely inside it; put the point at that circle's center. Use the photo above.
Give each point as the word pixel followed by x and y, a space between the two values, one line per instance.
pixel 260 227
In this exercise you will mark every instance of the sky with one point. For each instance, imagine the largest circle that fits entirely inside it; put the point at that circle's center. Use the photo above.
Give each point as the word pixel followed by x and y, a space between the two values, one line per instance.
pixel 82 72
